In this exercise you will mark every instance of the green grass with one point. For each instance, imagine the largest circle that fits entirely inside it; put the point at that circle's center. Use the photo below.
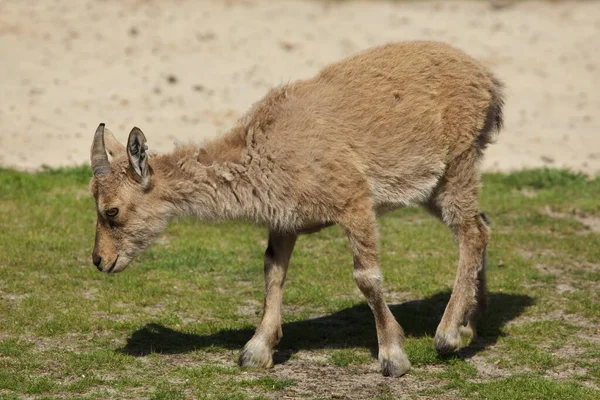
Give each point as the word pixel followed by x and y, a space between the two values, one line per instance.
pixel 171 325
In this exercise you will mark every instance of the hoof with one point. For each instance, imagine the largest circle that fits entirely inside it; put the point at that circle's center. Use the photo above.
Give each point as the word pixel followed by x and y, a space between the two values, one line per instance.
pixel 447 342
pixel 256 355
pixel 395 363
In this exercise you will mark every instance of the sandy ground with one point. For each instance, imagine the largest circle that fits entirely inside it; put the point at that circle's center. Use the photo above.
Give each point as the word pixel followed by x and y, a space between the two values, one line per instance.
pixel 185 70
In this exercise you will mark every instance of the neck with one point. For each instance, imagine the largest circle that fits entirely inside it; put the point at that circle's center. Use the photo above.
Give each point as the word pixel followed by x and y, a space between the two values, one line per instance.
pixel 208 183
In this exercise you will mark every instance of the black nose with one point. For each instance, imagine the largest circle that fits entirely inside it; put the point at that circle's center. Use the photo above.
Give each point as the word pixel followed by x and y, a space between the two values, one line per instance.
pixel 96 260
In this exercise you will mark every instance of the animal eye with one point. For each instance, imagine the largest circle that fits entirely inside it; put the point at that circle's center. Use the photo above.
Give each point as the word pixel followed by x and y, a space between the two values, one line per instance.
pixel 113 212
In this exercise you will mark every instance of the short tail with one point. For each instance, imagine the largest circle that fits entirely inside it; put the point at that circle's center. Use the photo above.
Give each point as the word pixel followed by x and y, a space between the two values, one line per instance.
pixel 496 105
pixel 494 117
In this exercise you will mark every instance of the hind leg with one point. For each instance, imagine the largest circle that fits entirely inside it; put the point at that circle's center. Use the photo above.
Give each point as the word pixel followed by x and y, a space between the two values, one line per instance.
pixel 470 330
pixel 456 203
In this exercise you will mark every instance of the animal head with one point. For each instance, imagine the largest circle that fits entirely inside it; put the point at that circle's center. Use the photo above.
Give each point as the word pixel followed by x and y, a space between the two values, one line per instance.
pixel 129 217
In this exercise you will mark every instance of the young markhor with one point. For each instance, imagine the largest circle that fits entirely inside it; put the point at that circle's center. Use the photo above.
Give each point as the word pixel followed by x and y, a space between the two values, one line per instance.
pixel 400 124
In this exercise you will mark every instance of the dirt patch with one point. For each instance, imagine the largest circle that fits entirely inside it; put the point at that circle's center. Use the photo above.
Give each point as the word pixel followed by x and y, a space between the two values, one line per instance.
pixel 566 371
pixel 567 267
pixel 564 288
pixel 540 252
pixel 314 377
pixel 550 270
pixel 488 370
pixel 250 308
pixel 527 192
pixel 594 339
pixel 90 293
pixel 226 358
pixel 556 315
pixel 77 343
pixel 591 222
pixel 14 296
pixel 568 351
pixel 567 276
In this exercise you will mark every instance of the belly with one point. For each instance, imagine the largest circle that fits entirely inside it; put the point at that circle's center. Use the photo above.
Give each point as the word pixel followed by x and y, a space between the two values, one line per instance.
pixel 401 191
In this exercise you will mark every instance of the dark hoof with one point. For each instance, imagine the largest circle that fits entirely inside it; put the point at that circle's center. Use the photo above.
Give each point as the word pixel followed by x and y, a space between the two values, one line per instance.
pixel 395 365
pixel 447 344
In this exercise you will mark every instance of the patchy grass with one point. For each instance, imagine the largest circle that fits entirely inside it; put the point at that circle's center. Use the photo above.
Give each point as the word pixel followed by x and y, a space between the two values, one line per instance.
pixel 171 326
pixel 345 357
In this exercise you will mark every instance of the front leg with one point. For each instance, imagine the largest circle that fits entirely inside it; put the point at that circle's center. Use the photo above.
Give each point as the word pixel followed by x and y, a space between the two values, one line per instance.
pixel 361 229
pixel 258 351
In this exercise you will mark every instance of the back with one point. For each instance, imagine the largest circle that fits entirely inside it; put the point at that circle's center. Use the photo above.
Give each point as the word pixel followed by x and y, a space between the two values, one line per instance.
pixel 397 114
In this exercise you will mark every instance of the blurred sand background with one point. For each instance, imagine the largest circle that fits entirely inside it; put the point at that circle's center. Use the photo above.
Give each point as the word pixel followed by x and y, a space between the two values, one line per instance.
pixel 185 70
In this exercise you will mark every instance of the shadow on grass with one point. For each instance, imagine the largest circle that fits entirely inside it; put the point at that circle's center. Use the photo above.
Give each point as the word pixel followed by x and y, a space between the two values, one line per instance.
pixel 350 327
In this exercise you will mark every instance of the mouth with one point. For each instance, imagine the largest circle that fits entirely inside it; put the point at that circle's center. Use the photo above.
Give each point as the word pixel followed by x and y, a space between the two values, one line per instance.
pixel 112 267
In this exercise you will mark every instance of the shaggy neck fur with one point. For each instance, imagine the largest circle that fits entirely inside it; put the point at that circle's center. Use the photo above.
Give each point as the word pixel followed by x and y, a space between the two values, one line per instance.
pixel 230 177
pixel 210 183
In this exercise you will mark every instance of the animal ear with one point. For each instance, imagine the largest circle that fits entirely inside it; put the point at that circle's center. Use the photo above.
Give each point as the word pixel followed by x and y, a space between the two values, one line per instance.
pixel 113 146
pixel 138 157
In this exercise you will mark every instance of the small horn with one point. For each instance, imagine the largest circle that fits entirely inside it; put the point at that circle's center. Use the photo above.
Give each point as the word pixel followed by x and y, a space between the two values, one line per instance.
pixel 99 158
